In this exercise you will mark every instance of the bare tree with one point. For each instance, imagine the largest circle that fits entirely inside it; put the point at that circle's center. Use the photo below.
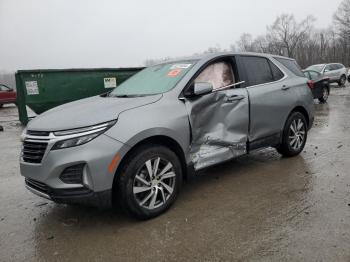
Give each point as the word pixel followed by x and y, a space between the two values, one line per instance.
pixel 286 33
pixel 300 40
pixel 245 43
pixel 342 28
pixel 150 62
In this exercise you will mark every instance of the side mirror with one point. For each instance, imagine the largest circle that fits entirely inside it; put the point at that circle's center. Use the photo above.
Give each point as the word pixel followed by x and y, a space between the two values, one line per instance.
pixel 202 88
pixel 326 70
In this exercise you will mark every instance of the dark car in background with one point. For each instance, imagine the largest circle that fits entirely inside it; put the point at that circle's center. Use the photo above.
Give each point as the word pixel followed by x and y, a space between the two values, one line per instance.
pixel 319 85
pixel 7 95
pixel 336 72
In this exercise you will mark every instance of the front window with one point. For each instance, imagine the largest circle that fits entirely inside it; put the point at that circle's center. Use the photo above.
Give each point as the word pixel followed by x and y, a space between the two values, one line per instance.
pixel 219 74
pixel 4 88
pixel 314 75
pixel 153 80
pixel 307 75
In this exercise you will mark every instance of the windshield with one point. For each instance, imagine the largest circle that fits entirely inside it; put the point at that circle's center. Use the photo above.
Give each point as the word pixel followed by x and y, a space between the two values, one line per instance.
pixel 317 68
pixel 154 80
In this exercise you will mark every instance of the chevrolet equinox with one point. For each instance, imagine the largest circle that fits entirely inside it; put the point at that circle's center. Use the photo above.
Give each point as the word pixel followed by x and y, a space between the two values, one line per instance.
pixel 136 144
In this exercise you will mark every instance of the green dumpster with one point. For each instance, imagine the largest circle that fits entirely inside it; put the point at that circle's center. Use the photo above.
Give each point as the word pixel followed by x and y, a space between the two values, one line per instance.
pixel 42 90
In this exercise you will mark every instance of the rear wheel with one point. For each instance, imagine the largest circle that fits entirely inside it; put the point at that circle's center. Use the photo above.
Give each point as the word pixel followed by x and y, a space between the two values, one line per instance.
pixel 149 182
pixel 342 80
pixel 294 135
pixel 325 94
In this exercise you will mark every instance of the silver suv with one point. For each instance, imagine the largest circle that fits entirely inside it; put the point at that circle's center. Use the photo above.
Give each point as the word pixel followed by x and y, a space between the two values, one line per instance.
pixel 335 72
pixel 136 144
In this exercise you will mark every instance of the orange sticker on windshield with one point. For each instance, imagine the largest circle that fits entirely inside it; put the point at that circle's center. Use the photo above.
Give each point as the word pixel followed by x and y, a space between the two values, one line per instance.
pixel 174 72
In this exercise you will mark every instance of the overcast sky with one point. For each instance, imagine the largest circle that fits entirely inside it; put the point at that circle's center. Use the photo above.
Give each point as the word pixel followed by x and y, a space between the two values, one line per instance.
pixel 107 33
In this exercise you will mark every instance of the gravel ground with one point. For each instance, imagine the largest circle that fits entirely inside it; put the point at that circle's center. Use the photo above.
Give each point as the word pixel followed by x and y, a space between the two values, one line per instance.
pixel 260 207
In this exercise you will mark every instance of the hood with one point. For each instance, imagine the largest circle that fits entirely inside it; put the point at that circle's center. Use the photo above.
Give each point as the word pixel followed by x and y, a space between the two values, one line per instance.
pixel 87 112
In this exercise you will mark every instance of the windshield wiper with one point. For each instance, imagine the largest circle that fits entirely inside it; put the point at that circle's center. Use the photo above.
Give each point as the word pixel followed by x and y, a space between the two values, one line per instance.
pixel 122 96
pixel 128 96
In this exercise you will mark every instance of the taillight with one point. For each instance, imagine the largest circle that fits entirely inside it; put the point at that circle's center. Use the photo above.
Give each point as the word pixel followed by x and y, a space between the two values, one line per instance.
pixel 310 84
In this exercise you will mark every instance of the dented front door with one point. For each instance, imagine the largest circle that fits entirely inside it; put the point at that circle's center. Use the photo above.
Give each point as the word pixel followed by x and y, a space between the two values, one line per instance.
pixel 219 123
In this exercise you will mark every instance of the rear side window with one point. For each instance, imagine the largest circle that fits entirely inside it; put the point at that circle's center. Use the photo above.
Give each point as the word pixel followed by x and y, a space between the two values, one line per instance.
pixel 258 70
pixel 339 66
pixel 276 72
pixel 334 67
pixel 291 65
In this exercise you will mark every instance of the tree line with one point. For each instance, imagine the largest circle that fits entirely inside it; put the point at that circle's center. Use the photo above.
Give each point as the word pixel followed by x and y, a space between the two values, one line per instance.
pixel 298 39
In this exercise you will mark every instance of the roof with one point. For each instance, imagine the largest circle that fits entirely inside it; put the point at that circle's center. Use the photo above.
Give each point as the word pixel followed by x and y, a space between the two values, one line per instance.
pixel 318 65
pixel 209 56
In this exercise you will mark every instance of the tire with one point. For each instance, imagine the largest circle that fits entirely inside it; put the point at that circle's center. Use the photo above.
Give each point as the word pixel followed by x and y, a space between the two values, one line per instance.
pixel 349 78
pixel 342 80
pixel 325 94
pixel 287 148
pixel 1 105
pixel 135 176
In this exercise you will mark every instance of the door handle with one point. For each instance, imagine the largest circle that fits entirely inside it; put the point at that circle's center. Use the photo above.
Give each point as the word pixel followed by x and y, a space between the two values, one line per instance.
pixel 284 87
pixel 234 98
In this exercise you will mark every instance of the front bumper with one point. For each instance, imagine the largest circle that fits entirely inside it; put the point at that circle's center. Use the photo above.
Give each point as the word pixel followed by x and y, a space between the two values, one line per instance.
pixel 44 180
pixel 82 196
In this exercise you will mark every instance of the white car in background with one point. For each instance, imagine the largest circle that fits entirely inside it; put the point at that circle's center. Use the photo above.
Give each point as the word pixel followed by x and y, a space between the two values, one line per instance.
pixel 335 72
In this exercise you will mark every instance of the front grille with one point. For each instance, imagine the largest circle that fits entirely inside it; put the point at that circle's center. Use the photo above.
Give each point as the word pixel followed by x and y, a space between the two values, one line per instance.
pixel 41 187
pixel 38 133
pixel 33 152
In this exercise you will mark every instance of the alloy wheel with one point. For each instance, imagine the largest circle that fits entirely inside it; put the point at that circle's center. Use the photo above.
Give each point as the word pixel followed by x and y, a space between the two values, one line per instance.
pixel 342 80
pixel 154 183
pixel 297 134
pixel 325 94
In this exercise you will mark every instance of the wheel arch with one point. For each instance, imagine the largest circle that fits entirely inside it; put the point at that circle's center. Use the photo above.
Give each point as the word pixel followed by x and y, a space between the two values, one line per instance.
pixel 162 140
pixel 342 76
pixel 303 111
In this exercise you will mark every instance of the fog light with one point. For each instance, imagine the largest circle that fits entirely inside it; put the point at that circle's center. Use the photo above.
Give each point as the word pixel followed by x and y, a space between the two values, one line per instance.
pixel 73 174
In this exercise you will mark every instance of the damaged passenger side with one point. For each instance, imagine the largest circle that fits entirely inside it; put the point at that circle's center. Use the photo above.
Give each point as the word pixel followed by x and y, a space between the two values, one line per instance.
pixel 218 110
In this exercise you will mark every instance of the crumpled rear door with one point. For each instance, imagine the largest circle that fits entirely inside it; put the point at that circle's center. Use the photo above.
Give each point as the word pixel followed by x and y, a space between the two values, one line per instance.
pixel 219 123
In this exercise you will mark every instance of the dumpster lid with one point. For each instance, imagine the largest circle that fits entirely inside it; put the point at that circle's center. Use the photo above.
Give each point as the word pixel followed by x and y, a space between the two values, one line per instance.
pixel 119 69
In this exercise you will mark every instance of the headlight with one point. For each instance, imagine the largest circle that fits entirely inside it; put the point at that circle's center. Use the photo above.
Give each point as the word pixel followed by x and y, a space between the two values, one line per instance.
pixel 77 141
pixel 80 136
pixel 23 135
pixel 90 129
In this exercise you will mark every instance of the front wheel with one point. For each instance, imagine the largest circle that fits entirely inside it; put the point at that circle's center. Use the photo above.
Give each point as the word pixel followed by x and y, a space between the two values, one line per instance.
pixel 149 181
pixel 325 94
pixel 294 135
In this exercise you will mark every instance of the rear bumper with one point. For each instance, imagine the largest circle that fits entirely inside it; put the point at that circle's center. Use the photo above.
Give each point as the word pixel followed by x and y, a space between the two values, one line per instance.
pixel 8 102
